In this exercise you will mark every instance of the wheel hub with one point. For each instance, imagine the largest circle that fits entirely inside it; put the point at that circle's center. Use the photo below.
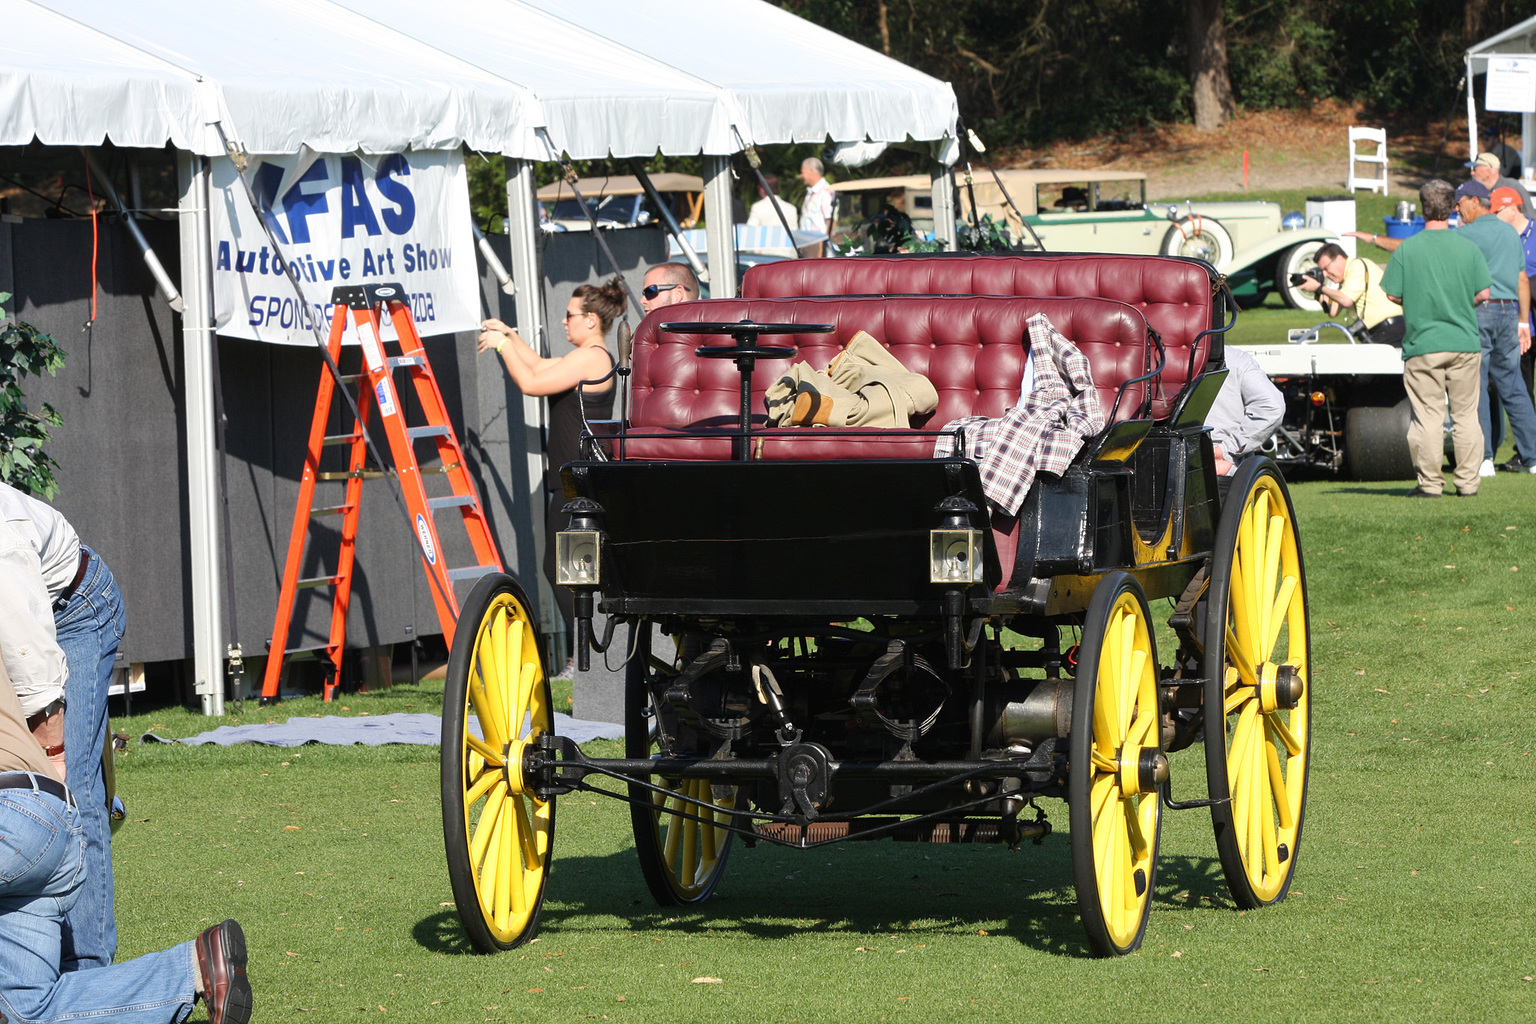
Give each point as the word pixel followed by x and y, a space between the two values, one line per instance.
pixel 1280 687
pixel 1140 770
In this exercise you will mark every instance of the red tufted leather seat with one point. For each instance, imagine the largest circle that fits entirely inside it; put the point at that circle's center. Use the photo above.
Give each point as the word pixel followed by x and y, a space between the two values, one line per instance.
pixel 1175 295
pixel 971 347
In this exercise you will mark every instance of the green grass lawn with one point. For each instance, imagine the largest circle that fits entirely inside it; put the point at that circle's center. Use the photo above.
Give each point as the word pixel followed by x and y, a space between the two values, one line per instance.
pixel 1412 900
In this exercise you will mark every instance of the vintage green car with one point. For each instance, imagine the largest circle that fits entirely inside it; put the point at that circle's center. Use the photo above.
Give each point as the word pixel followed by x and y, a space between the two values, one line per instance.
pixel 1107 211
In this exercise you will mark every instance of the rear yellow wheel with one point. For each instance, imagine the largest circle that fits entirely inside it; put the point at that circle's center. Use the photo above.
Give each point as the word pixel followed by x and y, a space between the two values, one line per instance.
pixel 1258 699
pixel 1115 767
pixel 682 859
pixel 497 832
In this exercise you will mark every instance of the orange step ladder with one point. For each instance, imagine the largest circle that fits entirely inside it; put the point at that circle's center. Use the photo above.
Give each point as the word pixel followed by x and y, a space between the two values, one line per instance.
pixel 364 305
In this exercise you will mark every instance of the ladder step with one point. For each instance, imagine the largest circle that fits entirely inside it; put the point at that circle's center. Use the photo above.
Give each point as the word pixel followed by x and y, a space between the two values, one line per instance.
pixel 395 362
pixel 330 510
pixel 362 474
pixel 414 433
pixel 450 501
pixel 335 439
pixel 469 572
pixel 317 581
pixel 352 378
pixel 306 653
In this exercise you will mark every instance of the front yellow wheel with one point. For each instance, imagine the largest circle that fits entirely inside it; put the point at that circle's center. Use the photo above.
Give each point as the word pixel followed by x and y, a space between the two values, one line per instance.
pixel 682 858
pixel 1115 768
pixel 1258 690
pixel 498 833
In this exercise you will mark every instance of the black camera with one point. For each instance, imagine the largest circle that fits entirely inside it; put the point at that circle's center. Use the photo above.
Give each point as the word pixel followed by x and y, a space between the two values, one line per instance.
pixel 1314 273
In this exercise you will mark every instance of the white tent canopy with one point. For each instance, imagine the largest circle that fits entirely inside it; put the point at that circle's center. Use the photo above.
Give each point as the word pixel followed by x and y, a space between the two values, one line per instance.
pixel 1518 41
pixel 794 81
pixel 594 77
pixel 67 84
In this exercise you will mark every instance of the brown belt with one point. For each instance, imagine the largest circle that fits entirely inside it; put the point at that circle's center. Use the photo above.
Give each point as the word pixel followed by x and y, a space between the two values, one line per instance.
pixel 74 584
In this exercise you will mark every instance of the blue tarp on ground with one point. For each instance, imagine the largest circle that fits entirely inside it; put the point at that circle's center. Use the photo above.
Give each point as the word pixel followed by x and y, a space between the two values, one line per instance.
pixel 370 730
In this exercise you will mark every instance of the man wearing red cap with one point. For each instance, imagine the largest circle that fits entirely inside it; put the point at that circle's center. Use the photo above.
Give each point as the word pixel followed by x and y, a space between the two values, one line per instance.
pixel 1507 207
pixel 1503 323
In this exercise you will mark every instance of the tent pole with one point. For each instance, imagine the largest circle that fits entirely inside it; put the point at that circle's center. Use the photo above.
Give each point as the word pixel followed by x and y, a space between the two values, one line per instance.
pixel 1471 113
pixel 720 227
pixel 202 476
pixel 943 178
pixel 523 234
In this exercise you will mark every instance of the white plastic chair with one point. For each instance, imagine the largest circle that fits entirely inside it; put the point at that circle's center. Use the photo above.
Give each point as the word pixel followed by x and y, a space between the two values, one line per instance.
pixel 1379 157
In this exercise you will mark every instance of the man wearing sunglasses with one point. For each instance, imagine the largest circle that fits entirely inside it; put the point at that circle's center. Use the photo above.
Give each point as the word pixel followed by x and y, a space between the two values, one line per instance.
pixel 667 284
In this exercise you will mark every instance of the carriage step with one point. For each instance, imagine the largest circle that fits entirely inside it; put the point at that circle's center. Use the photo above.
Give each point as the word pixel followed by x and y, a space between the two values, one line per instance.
pixel 470 572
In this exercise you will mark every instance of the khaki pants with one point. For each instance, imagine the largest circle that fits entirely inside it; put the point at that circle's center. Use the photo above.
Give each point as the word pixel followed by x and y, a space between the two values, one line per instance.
pixel 1432 382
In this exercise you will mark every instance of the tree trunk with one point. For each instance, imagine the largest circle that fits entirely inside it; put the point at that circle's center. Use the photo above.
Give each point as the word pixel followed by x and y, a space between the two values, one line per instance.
pixel 1210 86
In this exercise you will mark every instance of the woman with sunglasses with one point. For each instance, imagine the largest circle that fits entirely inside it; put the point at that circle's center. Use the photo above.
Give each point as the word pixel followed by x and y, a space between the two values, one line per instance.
pixel 588 317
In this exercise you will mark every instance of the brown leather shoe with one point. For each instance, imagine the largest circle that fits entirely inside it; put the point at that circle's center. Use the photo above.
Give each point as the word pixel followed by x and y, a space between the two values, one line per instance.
pixel 226 989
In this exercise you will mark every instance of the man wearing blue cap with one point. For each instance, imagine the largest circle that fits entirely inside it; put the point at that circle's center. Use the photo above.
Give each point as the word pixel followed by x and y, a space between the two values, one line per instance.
pixel 1439 277
pixel 1503 322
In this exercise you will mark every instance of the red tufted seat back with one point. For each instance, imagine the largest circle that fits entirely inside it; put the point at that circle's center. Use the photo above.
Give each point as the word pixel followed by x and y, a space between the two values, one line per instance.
pixel 971 347
pixel 1175 295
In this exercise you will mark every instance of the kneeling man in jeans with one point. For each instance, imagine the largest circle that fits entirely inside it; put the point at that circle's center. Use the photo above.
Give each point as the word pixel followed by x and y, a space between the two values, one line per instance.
pixel 1439 278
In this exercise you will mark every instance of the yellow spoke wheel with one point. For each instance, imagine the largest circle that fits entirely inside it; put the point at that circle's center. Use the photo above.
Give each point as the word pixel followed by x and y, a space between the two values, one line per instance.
pixel 682 859
pixel 1115 766
pixel 496 700
pixel 1258 699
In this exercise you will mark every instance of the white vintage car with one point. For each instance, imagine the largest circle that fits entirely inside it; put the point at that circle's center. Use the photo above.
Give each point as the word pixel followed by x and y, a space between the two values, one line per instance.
pixel 1107 211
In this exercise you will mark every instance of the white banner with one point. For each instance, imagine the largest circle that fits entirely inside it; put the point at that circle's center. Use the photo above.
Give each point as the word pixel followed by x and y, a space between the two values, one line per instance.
pixel 342 220
pixel 1511 84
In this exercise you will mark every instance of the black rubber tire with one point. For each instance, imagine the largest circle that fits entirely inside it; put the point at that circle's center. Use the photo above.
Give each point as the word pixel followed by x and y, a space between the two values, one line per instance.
pixel 671 884
pixel 1199 237
pixel 1295 260
pixel 1098 874
pixel 1376 442
pixel 494 593
pixel 1224 729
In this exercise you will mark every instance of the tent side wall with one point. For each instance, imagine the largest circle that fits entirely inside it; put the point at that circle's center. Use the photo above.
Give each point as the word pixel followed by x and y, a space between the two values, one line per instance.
pixel 121 448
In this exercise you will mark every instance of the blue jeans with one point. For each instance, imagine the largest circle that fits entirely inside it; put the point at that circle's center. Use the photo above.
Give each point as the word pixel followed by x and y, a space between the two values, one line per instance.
pixel 90 627
pixel 42 863
pixel 1501 368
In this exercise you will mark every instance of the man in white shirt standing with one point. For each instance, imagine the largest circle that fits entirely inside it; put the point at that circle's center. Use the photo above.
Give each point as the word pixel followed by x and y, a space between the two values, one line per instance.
pixel 61 620
pixel 816 212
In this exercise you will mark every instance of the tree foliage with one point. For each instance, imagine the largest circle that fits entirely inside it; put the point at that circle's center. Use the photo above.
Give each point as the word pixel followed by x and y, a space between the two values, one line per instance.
pixel 24 350
pixel 1032 71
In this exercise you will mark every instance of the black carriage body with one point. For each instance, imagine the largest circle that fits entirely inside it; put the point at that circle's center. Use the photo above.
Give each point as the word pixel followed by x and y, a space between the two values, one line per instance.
pixel 825 688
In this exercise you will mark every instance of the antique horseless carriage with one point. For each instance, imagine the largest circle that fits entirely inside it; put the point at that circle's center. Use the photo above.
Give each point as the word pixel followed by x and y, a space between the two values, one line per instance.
pixel 865 649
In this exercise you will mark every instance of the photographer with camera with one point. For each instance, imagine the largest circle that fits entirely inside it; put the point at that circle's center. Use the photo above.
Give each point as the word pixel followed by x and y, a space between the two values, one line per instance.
pixel 1342 283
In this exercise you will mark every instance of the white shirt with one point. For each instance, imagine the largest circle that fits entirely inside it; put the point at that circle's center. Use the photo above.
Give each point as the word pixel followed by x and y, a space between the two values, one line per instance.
pixel 762 216
pixel 39 556
pixel 816 211
pixel 1248 408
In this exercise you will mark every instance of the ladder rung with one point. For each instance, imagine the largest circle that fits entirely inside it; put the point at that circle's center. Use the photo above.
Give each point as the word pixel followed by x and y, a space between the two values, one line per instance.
pixel 450 501
pixel 352 378
pixel 362 474
pixel 330 510
pixel 446 468
pixel 334 439
pixel 316 581
pixel 469 572
pixel 306 653
pixel 415 433
pixel 398 361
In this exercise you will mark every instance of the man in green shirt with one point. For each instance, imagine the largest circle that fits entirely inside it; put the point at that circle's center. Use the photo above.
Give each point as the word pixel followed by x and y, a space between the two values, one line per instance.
pixel 1439 277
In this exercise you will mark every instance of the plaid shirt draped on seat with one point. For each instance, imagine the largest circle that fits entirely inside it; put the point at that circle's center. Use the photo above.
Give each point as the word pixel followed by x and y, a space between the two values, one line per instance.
pixel 1043 433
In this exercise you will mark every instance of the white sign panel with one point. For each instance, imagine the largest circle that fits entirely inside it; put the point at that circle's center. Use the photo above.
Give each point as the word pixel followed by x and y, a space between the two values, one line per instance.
pixel 1511 84
pixel 342 220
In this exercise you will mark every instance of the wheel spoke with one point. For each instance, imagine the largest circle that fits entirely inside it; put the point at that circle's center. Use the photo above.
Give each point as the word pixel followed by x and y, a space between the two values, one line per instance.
pixel 1278 787
pixel 1140 847
pixel 1254 776
pixel 491 754
pixel 482 785
pixel 485 829
pixel 527 836
pixel 510 868
pixel 1283 734
pixel 1277 614
pixel 1240 740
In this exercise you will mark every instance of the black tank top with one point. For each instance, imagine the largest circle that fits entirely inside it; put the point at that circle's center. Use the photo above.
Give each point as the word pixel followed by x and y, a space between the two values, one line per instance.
pixel 565 426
